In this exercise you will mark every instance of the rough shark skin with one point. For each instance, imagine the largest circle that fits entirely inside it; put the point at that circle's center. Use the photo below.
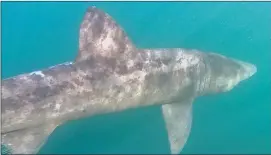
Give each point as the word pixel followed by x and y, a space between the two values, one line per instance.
pixel 110 74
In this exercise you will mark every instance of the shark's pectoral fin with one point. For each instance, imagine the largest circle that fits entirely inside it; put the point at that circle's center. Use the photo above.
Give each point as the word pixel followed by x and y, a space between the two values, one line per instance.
pixel 178 119
pixel 29 140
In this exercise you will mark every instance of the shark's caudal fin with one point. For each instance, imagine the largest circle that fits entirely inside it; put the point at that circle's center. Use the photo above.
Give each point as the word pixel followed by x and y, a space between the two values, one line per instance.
pixel 101 35
pixel 29 140
pixel 178 120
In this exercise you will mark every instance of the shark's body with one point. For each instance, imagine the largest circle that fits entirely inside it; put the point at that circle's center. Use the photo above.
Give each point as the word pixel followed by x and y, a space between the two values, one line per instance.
pixel 110 74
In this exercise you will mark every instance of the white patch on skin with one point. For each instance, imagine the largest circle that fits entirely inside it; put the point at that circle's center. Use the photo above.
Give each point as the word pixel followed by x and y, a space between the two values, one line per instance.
pixel 26 111
pixel 106 42
pixel 169 111
pixel 23 77
pixel 66 63
pixel 29 138
pixel 37 73
pixel 47 105
pixel 204 83
pixel 136 91
pixel 56 111
pixel 6 92
pixel 54 114
pixel 187 60
pixel 57 107
pixel 233 82
pixel 227 83
pixel 130 63
pixel 165 68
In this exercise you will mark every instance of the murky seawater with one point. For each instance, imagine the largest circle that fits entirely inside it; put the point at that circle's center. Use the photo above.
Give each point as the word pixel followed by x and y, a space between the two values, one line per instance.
pixel 36 35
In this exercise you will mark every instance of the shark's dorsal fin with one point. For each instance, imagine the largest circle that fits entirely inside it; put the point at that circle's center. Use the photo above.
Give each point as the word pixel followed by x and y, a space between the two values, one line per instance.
pixel 101 35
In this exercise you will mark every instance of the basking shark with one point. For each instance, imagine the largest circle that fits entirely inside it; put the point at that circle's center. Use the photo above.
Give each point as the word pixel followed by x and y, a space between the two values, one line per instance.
pixel 111 74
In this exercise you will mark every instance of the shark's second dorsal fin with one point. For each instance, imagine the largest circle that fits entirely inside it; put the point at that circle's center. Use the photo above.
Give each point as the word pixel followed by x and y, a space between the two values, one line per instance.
pixel 101 35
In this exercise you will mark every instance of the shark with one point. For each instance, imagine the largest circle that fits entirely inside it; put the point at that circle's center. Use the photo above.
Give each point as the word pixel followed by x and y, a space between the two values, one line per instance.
pixel 110 74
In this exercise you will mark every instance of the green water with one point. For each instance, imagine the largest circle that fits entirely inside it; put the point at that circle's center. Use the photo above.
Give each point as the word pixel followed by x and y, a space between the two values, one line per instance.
pixel 37 35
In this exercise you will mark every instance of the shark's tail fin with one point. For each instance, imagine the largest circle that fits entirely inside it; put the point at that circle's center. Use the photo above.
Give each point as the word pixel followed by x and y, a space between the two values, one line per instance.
pixel 27 141
pixel 178 120
pixel 101 35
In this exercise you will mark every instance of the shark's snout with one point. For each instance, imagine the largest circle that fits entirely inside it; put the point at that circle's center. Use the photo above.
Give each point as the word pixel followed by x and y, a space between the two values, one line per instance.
pixel 247 70
pixel 226 73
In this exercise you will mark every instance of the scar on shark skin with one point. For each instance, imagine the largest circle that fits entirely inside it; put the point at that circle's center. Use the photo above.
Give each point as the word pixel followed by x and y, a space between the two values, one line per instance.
pixel 111 74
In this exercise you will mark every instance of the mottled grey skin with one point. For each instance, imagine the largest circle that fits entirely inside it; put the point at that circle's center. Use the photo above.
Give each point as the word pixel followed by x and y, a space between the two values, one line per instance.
pixel 108 75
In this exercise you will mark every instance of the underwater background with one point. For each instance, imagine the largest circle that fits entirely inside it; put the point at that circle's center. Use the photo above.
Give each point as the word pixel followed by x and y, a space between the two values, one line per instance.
pixel 36 35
